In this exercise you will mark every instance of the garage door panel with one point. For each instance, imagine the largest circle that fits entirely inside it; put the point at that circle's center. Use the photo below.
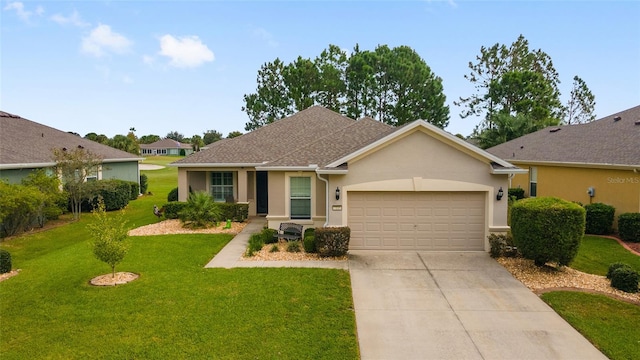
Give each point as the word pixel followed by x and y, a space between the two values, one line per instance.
pixel 417 220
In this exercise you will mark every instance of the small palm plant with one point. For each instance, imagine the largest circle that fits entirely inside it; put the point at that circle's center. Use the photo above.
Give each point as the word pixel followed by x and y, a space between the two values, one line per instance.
pixel 201 211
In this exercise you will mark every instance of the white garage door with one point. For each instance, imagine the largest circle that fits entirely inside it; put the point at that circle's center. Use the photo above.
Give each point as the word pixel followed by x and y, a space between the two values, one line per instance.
pixel 416 220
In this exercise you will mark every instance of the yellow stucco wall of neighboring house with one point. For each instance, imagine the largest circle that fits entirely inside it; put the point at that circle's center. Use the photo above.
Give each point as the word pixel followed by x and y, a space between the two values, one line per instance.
pixel 619 188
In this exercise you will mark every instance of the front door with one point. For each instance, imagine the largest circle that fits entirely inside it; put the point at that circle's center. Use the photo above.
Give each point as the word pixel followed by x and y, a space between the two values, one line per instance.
pixel 262 192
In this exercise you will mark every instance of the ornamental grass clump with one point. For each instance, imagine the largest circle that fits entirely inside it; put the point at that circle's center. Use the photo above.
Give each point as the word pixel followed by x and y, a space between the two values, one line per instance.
pixel 547 229
pixel 109 234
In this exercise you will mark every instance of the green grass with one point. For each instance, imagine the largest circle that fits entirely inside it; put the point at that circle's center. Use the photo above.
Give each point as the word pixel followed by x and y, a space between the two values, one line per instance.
pixel 176 309
pixel 611 325
pixel 597 253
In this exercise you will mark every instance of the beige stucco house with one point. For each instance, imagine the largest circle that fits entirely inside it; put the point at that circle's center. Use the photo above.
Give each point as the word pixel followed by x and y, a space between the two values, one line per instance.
pixel 412 187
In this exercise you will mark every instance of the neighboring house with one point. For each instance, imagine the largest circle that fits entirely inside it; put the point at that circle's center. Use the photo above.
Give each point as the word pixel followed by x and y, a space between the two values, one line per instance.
pixel 413 187
pixel 26 146
pixel 166 147
pixel 568 161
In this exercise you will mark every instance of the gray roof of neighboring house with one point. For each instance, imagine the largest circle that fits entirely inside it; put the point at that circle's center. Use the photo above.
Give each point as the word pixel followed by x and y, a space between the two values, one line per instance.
pixel 166 144
pixel 612 140
pixel 24 142
pixel 273 141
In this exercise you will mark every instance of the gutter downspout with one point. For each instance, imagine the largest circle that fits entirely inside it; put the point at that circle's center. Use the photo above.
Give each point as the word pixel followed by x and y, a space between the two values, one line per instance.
pixel 326 194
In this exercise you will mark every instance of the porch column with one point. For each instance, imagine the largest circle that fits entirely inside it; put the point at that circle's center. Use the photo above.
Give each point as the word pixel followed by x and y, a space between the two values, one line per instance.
pixel 183 186
pixel 242 186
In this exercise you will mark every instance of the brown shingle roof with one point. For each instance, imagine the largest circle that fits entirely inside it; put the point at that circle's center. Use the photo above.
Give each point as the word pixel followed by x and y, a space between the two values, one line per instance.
pixel 336 144
pixel 23 141
pixel 166 144
pixel 272 141
pixel 604 141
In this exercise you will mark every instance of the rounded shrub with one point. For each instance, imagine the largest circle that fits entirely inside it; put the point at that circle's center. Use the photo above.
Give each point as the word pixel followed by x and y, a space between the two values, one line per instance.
pixel 599 218
pixel 547 229
pixel 625 278
pixel 517 193
pixel 268 236
pixel 5 261
pixel 309 243
pixel 614 266
pixel 629 227
pixel 173 195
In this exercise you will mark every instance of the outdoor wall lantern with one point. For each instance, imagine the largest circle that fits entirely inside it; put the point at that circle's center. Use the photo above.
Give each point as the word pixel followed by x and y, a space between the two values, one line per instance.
pixel 337 193
pixel 500 194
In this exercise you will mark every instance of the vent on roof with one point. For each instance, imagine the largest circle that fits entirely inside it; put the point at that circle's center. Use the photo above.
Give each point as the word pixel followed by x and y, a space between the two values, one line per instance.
pixel 617 118
pixel 555 129
pixel 637 122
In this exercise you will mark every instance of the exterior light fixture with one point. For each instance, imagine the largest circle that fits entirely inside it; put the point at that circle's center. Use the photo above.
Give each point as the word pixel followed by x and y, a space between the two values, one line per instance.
pixel 337 193
pixel 500 194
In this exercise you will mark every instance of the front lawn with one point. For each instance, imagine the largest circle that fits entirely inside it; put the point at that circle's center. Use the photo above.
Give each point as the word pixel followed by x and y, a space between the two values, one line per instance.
pixel 611 325
pixel 597 253
pixel 176 309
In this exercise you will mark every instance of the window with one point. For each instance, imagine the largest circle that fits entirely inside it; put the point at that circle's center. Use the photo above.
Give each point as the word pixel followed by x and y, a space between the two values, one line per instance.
pixel 300 195
pixel 222 186
pixel 533 181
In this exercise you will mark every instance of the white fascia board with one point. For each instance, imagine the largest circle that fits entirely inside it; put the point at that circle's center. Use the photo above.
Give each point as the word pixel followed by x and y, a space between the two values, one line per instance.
pixel 122 160
pixel 287 168
pixel 332 171
pixel 26 166
pixel 579 164
pixel 509 171
pixel 215 165
pixel 430 127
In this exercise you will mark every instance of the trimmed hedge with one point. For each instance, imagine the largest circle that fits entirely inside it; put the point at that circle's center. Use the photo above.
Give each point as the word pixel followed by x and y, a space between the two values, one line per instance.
pixel 5 261
pixel 547 229
pixel 173 208
pixel 228 211
pixel 517 193
pixel 599 218
pixel 629 227
pixel 332 241
pixel 233 211
pixel 115 194
pixel 135 190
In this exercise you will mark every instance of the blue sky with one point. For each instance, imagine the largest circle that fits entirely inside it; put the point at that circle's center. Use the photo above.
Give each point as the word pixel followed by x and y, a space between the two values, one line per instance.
pixel 160 66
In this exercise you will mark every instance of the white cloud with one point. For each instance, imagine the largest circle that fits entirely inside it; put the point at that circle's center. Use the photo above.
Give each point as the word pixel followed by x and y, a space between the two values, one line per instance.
pixel 187 51
pixel 263 34
pixel 103 40
pixel 20 10
pixel 73 19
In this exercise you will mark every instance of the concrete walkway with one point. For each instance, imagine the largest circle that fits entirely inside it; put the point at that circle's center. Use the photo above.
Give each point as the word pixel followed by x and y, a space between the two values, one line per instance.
pixel 231 255
pixel 438 305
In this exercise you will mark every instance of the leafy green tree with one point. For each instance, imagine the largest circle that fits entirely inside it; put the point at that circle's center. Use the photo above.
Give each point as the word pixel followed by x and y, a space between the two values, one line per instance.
pixel 394 86
pixel 148 139
pixel 174 135
pixel 271 101
pixel 510 68
pixel 581 105
pixel 197 142
pixel 211 136
pixel 109 234
pixel 54 200
pixel 102 139
pixel 73 166
pixel 234 134
pixel 125 143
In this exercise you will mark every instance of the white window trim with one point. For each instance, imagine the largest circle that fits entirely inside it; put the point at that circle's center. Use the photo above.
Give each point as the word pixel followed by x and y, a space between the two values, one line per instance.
pixel 234 175
pixel 287 192
pixel 533 179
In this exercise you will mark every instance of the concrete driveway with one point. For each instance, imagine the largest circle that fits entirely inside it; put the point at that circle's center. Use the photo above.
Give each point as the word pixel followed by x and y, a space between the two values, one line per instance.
pixel 453 305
